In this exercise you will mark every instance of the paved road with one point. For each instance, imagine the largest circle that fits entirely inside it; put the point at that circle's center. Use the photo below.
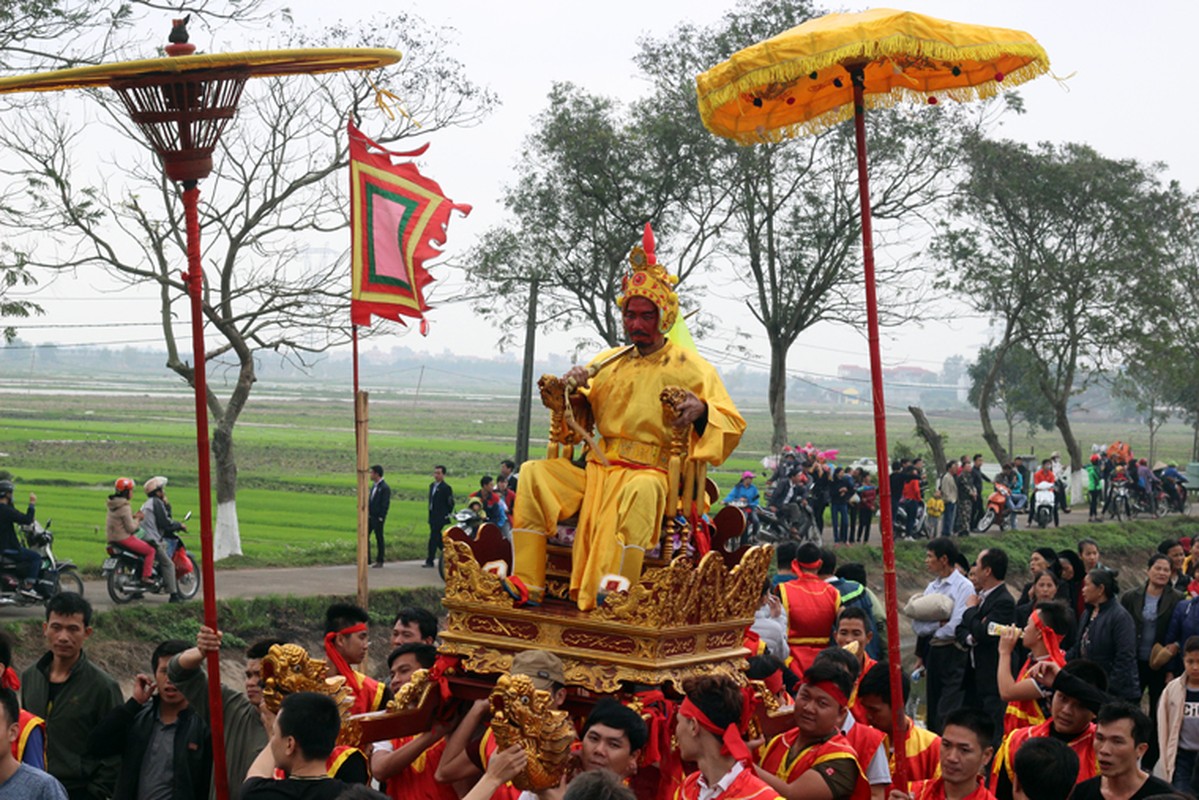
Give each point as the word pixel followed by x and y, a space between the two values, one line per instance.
pixel 341 579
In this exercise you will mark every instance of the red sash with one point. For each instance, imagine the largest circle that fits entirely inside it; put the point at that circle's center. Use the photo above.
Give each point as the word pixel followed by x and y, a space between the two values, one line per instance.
pixel 1083 746
pixel 1022 713
pixel 855 707
pixel 746 786
pixel 28 724
pixel 935 790
pixel 369 696
pixel 811 606
pixel 775 760
pixel 416 781
pixel 864 740
pixel 924 754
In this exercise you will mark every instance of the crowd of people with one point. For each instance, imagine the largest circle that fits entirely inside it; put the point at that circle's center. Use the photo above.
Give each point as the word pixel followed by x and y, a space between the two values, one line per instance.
pixel 1047 682
pixel 805 482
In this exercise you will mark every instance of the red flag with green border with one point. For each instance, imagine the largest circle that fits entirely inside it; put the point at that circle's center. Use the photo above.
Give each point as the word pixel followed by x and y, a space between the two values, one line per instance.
pixel 398 221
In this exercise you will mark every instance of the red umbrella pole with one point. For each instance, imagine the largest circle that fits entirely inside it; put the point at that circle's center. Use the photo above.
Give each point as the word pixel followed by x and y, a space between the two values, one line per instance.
pixel 898 712
pixel 195 285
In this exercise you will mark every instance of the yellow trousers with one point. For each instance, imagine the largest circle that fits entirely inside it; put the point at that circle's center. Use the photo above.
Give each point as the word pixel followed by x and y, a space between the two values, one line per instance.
pixel 620 511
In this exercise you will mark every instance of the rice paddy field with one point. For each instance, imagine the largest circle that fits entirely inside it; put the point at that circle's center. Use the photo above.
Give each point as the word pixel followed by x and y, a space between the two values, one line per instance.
pixel 67 440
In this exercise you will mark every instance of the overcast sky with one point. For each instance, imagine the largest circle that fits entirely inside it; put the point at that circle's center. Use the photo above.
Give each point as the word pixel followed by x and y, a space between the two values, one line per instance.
pixel 1123 92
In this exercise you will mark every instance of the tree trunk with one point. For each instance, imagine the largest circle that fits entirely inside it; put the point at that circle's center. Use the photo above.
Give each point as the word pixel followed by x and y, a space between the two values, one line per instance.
pixel 226 540
pixel 778 395
pixel 935 441
pixel 1078 476
pixel 984 406
pixel 523 421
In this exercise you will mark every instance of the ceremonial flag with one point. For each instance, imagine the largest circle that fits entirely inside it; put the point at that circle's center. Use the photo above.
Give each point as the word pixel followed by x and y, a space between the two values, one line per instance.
pixel 397 216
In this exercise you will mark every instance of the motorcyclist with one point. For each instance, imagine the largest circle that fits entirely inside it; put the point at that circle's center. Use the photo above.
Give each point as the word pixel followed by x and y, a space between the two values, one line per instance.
pixel 157 523
pixel 10 543
pixel 1148 484
pixel 1044 475
pixel 745 495
pixel 1060 474
pixel 121 526
pixel 788 498
pixel 1174 483
pixel 1094 487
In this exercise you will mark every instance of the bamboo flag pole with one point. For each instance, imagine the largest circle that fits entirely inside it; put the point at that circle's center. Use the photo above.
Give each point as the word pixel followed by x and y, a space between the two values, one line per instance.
pixel 361 418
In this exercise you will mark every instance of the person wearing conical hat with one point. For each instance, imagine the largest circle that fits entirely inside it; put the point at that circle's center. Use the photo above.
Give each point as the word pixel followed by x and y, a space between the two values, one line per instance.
pixel 620 505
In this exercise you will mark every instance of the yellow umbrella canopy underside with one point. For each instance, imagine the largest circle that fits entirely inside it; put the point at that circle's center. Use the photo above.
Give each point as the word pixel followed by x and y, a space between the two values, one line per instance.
pixel 797 82
pixel 257 63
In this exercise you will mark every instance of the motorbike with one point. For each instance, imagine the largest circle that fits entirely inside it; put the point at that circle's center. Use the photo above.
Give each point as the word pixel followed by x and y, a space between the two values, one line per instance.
pixel 774 530
pixel 1177 501
pixel 996 509
pixel 123 571
pixel 921 528
pixel 1044 501
pixel 54 576
pixel 1119 503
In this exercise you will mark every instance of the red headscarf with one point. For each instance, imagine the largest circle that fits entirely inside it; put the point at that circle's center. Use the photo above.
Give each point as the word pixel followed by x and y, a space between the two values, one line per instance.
pixel 731 742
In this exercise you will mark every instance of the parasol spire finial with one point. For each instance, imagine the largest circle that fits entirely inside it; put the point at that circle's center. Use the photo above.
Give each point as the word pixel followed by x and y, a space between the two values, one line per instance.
pixel 178 37
pixel 179 30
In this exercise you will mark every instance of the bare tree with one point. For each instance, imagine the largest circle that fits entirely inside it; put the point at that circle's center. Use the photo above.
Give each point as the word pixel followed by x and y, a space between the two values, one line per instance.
pixel 273 216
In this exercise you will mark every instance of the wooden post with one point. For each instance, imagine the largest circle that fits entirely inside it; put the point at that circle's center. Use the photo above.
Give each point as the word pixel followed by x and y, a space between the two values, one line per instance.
pixel 361 418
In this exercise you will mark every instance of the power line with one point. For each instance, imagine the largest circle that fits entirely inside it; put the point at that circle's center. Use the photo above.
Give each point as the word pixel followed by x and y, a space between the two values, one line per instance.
pixel 78 346
pixel 59 325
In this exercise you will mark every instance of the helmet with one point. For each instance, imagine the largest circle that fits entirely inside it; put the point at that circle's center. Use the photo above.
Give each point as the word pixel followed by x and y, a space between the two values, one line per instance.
pixel 154 484
pixel 1094 458
pixel 6 487
pixel 124 485
pixel 747 474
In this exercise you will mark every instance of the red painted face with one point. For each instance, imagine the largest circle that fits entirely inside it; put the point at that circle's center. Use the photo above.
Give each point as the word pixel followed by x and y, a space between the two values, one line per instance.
pixel 641 323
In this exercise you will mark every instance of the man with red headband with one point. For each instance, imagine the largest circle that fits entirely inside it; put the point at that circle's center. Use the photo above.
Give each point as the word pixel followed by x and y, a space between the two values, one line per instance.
pixel 626 480
pixel 813 761
pixel 965 751
pixel 1079 690
pixel 709 733
pixel 346 645
pixel 1042 636
pixel 811 607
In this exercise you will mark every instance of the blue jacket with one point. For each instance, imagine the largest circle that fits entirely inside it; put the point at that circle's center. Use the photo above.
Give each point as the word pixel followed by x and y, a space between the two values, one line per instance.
pixel 742 492
pixel 1184 623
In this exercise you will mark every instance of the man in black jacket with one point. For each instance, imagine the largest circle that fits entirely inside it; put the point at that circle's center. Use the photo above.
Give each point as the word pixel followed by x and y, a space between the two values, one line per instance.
pixel 441 505
pixel 993 603
pixel 82 694
pixel 164 745
pixel 377 508
pixel 976 510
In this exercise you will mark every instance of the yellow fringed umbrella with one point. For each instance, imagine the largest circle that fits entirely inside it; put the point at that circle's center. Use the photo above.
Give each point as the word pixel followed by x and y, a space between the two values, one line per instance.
pixel 799 81
pixel 825 71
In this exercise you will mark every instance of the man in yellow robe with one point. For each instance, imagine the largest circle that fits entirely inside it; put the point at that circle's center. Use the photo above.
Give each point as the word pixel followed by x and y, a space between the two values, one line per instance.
pixel 620 506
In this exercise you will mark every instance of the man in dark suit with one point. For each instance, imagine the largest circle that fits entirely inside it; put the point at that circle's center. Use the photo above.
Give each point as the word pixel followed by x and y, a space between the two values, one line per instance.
pixel 441 505
pixel 377 508
pixel 993 603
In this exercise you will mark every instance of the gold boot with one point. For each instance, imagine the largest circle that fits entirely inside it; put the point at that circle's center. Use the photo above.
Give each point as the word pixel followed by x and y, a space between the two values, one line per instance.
pixel 528 560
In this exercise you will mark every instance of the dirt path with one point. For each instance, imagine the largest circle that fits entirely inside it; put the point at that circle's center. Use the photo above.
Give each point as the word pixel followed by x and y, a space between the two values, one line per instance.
pixel 340 579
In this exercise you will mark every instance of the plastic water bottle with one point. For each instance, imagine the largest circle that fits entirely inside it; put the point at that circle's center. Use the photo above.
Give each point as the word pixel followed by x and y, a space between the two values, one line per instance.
pixel 917 674
pixel 996 629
